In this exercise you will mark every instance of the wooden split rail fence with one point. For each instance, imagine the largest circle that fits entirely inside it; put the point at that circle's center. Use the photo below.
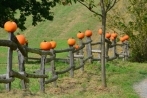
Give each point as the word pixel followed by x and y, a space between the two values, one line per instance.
pixel 22 51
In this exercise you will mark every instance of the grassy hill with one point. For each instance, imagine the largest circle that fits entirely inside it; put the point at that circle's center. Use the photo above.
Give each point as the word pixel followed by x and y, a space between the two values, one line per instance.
pixel 68 21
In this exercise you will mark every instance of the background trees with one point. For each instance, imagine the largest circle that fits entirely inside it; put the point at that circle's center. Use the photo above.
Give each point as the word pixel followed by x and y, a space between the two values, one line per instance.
pixel 39 10
pixel 131 19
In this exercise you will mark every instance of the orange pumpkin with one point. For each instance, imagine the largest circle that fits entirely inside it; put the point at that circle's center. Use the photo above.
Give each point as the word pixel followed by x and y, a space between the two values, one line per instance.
pixel 107 35
pixel 80 35
pixel 112 38
pixel 76 46
pixel 126 37
pixel 122 39
pixel 114 34
pixel 45 45
pixel 100 31
pixel 53 44
pixel 10 26
pixel 88 33
pixel 71 41
pixel 21 39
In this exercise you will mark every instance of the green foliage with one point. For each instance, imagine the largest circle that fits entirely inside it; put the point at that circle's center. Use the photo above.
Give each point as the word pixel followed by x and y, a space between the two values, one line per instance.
pixel 131 19
pixel 40 10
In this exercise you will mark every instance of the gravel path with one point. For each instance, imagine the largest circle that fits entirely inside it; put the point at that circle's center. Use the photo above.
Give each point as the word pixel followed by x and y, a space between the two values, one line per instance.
pixel 141 88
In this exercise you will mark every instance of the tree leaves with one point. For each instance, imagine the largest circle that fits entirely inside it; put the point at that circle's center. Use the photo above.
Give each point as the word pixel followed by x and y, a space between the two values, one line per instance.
pixel 38 9
pixel 133 22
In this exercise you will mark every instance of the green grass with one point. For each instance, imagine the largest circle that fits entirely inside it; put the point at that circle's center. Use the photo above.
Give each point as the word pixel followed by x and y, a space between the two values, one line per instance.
pixel 68 21
pixel 120 79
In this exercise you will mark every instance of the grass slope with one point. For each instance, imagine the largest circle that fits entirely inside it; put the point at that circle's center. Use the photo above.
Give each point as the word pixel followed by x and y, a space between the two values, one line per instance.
pixel 68 20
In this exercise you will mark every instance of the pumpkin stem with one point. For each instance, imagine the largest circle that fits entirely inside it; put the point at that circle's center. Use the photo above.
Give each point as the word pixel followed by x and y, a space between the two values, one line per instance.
pixel 18 33
pixel 44 40
pixel 79 31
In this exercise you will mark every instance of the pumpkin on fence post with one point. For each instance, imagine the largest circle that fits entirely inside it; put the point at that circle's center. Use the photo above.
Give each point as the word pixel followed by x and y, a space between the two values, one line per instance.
pixel 76 46
pixel 108 35
pixel 71 41
pixel 100 31
pixel 80 35
pixel 45 45
pixel 10 26
pixel 126 37
pixel 122 39
pixel 112 38
pixel 21 38
pixel 88 33
pixel 53 44
pixel 114 34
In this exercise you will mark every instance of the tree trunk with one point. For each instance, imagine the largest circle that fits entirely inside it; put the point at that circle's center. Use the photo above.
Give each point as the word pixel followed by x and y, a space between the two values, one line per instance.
pixel 103 46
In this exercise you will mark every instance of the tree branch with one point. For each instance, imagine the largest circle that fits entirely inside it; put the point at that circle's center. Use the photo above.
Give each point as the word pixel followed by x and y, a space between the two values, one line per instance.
pixel 89 8
pixel 109 7
pixel 102 6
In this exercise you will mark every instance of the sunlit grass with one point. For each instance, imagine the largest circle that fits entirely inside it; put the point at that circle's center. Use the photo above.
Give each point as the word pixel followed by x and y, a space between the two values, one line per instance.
pixel 120 79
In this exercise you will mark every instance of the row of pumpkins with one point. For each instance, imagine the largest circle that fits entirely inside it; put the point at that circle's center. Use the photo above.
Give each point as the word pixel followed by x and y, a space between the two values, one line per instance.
pixel 11 27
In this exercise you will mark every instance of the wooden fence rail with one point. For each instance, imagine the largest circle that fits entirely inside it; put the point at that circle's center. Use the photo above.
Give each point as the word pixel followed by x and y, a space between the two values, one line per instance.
pixel 13 44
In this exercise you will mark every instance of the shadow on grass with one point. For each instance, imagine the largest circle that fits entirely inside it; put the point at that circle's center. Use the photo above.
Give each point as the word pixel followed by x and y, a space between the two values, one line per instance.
pixel 143 72
pixel 33 62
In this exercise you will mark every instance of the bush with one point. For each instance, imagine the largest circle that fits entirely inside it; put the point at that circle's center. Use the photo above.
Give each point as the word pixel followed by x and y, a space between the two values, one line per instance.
pixel 132 20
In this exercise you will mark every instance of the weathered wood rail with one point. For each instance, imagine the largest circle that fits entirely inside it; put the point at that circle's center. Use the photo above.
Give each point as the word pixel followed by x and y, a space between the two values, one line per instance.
pixel 13 44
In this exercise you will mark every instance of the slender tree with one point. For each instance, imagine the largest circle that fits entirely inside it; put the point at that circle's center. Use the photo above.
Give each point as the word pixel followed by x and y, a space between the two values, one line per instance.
pixel 93 6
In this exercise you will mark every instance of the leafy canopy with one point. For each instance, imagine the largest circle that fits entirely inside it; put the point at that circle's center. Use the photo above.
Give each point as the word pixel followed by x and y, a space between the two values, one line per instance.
pixel 131 19
pixel 39 10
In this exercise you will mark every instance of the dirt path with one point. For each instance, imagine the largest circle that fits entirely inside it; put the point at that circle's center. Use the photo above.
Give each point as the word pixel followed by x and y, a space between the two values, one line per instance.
pixel 141 88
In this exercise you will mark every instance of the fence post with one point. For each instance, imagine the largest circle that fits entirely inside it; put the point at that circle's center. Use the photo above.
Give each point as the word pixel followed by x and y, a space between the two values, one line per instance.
pixel 71 56
pixel 100 48
pixel 126 53
pixel 26 59
pixel 89 48
pixel 127 49
pixel 9 62
pixel 114 47
pixel 21 67
pixel 106 52
pixel 123 50
pixel 53 67
pixel 42 72
pixel 81 53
